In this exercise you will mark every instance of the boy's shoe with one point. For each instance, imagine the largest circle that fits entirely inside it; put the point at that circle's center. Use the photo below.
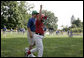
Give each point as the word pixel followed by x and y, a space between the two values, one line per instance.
pixel 26 50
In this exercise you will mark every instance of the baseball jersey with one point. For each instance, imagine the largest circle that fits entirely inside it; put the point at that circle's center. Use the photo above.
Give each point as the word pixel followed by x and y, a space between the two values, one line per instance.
pixel 39 27
pixel 31 24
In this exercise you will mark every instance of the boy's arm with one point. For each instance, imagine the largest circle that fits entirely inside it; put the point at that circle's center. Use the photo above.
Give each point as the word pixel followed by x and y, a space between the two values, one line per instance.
pixel 40 12
pixel 30 33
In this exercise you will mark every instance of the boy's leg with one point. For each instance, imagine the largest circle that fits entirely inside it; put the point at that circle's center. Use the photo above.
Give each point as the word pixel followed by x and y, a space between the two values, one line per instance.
pixel 39 45
pixel 30 41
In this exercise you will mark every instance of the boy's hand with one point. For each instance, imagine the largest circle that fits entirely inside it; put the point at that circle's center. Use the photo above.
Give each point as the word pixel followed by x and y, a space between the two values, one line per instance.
pixel 40 12
pixel 40 6
pixel 31 36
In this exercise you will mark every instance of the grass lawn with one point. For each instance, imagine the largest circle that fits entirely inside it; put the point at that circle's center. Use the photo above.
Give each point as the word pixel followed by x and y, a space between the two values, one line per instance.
pixel 13 45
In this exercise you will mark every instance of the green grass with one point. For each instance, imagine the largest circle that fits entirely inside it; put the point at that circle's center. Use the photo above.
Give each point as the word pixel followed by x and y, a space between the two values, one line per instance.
pixel 13 45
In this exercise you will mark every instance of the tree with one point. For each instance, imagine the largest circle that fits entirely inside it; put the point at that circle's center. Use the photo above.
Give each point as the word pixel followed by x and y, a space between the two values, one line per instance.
pixel 14 14
pixel 24 14
pixel 8 9
pixel 51 21
pixel 77 26
pixel 77 22
pixel 72 19
pixel 81 24
pixel 74 26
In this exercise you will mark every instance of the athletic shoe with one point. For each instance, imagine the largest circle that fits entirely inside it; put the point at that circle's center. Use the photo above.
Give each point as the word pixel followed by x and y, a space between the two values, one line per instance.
pixel 26 50
pixel 31 55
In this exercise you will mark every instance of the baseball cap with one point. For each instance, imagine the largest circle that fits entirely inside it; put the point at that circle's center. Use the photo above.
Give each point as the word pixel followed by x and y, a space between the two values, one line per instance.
pixel 34 12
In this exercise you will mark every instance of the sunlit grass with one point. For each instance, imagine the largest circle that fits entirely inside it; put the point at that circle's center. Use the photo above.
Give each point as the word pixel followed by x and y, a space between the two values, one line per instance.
pixel 13 45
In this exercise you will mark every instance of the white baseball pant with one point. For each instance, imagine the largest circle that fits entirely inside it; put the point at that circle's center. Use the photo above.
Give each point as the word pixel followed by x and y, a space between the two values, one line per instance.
pixel 39 45
pixel 30 40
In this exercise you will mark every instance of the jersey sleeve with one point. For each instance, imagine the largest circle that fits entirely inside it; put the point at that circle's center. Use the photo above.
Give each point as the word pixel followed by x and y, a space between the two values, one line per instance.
pixel 29 23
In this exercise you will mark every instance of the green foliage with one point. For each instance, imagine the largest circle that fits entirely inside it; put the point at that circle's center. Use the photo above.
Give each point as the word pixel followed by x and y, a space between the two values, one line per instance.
pixel 77 30
pixel 8 8
pixel 51 21
pixel 66 29
pixel 77 23
pixel 14 13
pixel 77 26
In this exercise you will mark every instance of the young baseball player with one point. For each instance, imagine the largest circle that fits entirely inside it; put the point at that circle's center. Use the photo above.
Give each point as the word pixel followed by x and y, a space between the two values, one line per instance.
pixel 39 34
pixel 31 30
